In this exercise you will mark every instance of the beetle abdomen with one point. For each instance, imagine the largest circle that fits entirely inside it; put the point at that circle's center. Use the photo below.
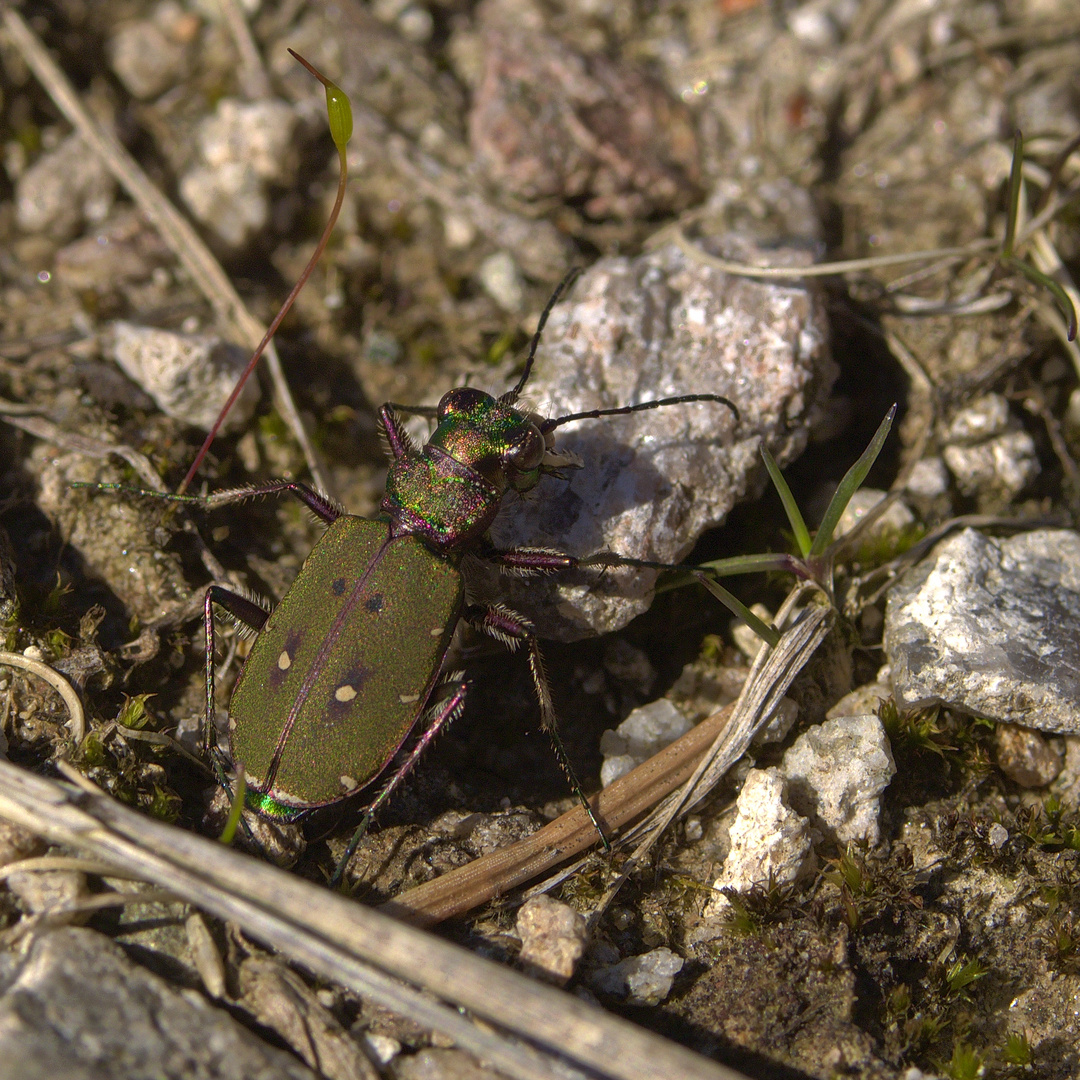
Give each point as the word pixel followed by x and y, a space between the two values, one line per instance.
pixel 348 662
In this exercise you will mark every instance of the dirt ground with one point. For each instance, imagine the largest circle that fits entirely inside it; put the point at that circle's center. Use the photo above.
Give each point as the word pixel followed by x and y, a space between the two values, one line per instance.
pixel 497 144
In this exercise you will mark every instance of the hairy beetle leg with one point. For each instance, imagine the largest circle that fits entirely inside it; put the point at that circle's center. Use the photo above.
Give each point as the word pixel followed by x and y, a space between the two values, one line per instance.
pixel 245 611
pixel 512 630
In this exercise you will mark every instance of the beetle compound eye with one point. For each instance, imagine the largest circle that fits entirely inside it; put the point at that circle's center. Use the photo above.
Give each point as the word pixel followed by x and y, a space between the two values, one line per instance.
pixel 462 401
pixel 528 451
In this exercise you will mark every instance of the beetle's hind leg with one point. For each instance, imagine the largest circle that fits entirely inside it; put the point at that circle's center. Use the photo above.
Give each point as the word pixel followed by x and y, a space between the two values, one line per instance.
pixel 513 630
pixel 249 614
pixel 438 718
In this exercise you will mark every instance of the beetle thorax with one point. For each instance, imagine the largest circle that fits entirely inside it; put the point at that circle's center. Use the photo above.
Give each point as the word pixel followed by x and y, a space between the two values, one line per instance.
pixel 449 493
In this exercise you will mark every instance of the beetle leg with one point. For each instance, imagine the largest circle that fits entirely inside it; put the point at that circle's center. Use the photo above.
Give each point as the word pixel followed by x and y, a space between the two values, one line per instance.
pixel 319 504
pixel 440 717
pixel 514 630
pixel 530 561
pixel 246 611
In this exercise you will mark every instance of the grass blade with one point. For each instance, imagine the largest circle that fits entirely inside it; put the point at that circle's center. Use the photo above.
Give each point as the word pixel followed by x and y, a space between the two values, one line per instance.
pixel 798 525
pixel 737 607
pixel 851 483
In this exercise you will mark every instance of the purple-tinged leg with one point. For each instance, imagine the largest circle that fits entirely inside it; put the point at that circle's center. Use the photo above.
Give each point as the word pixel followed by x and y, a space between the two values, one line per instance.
pixel 247 612
pixel 513 630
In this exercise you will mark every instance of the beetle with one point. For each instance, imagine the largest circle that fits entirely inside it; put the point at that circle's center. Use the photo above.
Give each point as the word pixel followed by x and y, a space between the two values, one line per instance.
pixel 350 662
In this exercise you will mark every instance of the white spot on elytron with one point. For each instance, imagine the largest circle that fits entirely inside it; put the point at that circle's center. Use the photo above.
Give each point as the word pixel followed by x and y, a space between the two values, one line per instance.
pixel 348 783
pixel 408 699
pixel 436 631
pixel 284 661
pixel 344 693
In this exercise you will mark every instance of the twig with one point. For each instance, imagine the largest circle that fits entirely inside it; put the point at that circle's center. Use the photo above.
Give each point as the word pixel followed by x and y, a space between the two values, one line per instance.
pixel 363 949
pixel 620 802
pixel 770 676
pixel 76 717
pixel 846 266
pixel 185 243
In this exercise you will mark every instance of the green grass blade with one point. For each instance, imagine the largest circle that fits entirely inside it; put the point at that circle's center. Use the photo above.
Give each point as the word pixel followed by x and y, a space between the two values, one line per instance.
pixel 737 607
pixel 798 525
pixel 1015 177
pixel 1047 282
pixel 851 483
pixel 236 809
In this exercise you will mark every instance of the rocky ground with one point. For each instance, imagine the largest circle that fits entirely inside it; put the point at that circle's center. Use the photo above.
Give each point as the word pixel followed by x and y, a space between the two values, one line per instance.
pixel 887 884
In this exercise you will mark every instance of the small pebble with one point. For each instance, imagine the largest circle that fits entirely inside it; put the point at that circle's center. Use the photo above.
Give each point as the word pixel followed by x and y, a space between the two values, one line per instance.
pixel 502 281
pixel 997 836
pixel 1025 757
pixel 553 937
pixel 928 479
pixel 769 840
pixel 62 189
pixel 381 1048
pixel 43 891
pixel 645 732
pixel 981 420
pixel 836 773
pixel 190 376
pixel 642 980
pixel 892 521
pixel 746 640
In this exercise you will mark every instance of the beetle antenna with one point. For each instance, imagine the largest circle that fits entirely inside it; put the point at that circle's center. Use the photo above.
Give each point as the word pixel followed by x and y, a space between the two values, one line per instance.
pixel 594 414
pixel 340 114
pixel 511 396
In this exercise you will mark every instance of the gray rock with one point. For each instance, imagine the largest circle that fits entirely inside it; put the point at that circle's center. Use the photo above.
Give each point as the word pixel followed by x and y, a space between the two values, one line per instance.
pixel 74 1006
pixel 769 840
pixel 928 479
pixel 661 325
pixel 243 146
pixel 991 627
pixel 642 980
pixel 62 189
pixel 553 937
pixel 646 731
pixel 190 376
pixel 836 773
pixel 1006 463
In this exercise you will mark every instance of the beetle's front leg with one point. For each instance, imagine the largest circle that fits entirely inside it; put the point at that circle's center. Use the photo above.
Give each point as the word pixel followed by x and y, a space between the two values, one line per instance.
pixel 244 610
pixel 514 630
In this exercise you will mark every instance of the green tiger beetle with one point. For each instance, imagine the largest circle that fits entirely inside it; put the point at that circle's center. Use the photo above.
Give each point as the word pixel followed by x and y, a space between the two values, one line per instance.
pixel 350 661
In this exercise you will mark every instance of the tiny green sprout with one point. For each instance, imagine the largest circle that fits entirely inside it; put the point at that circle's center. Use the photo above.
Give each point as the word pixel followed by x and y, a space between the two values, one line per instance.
pixel 236 809
pixel 133 712
pixel 816 556
pixel 961 976
pixel 1017 1049
pixel 1009 260
pixel 164 804
pixel 965 1064
pixel 92 750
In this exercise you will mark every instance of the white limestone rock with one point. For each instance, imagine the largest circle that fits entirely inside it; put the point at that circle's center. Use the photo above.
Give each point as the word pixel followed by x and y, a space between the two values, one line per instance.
pixel 836 773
